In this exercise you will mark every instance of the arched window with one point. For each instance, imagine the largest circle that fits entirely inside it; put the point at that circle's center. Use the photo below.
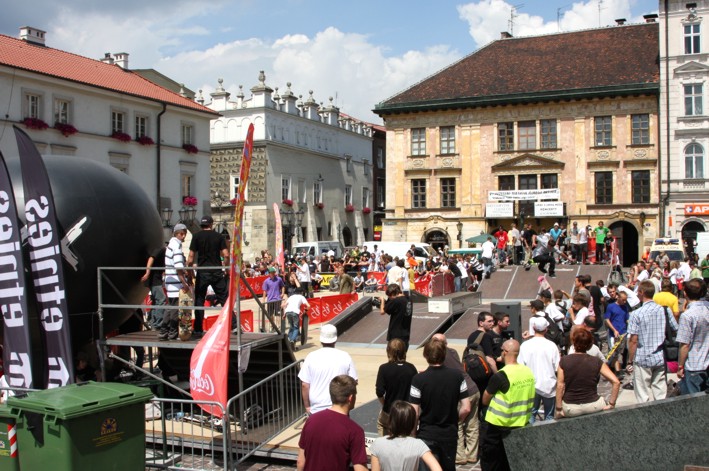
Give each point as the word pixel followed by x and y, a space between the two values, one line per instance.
pixel 694 161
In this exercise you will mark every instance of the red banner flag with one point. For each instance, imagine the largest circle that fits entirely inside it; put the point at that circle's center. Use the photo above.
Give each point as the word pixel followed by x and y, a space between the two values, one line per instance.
pixel 209 364
pixel 280 256
pixel 325 308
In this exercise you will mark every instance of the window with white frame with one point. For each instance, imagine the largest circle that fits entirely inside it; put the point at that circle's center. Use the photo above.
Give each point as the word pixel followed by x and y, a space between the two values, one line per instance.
pixel 603 130
pixel 317 192
pixel 527 135
pixel 118 121
pixel 380 157
pixel 187 134
pixel 62 110
pixel 234 187
pixel 301 191
pixel 285 188
pixel 365 197
pixel 367 168
pixel 187 187
pixel 641 129
pixel 141 126
pixel 348 194
pixel 33 105
pixel 349 164
pixel 694 161
pixel 505 136
pixel 693 99
pixel 692 39
pixel 418 141
pixel 548 133
pixel 447 139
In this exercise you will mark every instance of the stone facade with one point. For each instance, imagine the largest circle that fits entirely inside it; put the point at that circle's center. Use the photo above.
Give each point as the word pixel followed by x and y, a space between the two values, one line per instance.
pixel 684 82
pixel 307 157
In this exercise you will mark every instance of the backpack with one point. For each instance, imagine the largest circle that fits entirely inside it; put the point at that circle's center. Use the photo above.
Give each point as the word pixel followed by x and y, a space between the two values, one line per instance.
pixel 554 333
pixel 566 323
pixel 474 362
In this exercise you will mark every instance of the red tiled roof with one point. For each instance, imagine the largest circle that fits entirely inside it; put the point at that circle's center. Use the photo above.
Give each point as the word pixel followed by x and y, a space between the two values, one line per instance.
pixel 551 65
pixel 65 65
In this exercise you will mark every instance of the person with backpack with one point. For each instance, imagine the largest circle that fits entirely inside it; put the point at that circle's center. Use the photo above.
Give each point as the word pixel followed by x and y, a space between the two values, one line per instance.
pixel 541 355
pixel 554 332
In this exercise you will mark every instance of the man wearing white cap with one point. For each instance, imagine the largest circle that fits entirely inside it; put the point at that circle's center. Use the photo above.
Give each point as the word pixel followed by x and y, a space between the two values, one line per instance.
pixel 541 355
pixel 320 367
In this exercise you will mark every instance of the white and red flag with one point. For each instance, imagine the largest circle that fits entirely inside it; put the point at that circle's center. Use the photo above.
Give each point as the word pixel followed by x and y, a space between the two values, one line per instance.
pixel 209 364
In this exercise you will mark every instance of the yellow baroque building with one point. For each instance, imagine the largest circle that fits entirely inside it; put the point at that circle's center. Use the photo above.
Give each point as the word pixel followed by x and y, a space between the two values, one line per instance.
pixel 555 128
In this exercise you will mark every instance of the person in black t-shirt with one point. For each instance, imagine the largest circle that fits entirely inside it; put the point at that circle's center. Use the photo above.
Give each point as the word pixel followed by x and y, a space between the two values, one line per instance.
pixel 399 309
pixel 211 250
pixel 486 321
pixel 393 381
pixel 153 279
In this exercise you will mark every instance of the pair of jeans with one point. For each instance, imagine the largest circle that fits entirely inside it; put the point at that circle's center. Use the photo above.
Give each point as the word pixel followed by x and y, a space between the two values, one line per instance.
pixel 549 404
pixel 694 382
pixel 205 279
pixel 294 323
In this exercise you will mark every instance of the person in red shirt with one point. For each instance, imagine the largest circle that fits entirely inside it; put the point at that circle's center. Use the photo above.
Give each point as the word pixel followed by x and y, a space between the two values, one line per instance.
pixel 502 239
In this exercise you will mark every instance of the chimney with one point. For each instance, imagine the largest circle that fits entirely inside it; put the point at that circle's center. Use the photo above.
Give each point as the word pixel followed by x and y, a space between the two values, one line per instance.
pixel 32 35
pixel 505 35
pixel 650 18
pixel 107 59
pixel 121 59
pixel 620 21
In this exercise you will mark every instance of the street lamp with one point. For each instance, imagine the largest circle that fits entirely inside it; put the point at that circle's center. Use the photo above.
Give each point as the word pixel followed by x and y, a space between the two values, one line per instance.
pixel 166 216
pixel 292 220
pixel 187 214
pixel 460 234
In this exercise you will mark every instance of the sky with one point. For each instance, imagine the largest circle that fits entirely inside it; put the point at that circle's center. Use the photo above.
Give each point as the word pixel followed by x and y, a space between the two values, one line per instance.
pixel 359 53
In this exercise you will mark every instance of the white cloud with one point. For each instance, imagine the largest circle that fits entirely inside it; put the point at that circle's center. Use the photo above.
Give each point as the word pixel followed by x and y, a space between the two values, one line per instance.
pixel 332 63
pixel 488 18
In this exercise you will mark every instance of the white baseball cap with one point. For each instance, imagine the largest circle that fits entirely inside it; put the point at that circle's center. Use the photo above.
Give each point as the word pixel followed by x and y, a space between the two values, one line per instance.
pixel 539 324
pixel 328 333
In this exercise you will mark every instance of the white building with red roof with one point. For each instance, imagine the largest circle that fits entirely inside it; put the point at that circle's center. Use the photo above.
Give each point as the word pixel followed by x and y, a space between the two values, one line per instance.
pixel 101 110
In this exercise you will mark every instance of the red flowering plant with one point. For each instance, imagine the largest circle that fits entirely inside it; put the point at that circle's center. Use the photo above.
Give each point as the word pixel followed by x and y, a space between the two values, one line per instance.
pixel 145 140
pixel 232 201
pixel 320 205
pixel 189 201
pixel 190 148
pixel 349 208
pixel 366 210
pixel 65 128
pixel 35 123
pixel 121 136
pixel 288 202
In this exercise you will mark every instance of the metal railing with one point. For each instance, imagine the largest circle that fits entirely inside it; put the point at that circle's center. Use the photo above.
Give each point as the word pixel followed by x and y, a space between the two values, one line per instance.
pixel 263 411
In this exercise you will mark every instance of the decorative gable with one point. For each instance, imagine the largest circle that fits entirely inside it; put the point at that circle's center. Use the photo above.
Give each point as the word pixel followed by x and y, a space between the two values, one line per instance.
pixel 692 68
pixel 528 162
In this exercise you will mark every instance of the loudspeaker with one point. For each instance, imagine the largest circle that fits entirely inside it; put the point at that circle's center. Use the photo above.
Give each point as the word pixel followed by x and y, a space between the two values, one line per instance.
pixel 514 310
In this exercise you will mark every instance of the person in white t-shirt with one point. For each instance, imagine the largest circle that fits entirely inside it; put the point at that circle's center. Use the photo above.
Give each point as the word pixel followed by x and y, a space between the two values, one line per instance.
pixel 541 355
pixel 551 309
pixel 579 309
pixel 487 253
pixel 320 367
pixel 291 311
pixel 633 299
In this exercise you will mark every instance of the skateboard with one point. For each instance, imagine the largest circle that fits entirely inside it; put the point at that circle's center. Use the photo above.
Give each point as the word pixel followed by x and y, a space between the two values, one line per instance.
pixel 185 321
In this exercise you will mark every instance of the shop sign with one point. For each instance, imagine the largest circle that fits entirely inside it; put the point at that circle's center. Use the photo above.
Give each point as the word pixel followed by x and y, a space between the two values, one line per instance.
pixel 548 209
pixel 520 195
pixel 696 209
pixel 499 210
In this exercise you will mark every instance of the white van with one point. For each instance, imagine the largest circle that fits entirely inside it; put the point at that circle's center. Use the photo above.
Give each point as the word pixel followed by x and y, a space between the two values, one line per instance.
pixel 316 248
pixel 672 247
pixel 422 250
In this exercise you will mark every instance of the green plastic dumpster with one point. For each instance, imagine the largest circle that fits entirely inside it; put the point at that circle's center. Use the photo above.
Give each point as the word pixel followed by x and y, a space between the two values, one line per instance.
pixel 88 426
pixel 8 445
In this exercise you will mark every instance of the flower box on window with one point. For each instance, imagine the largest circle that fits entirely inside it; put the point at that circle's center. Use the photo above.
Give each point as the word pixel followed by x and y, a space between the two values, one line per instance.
pixel 320 205
pixel 288 202
pixel 349 208
pixel 145 141
pixel 191 149
pixel 35 123
pixel 65 128
pixel 121 136
pixel 366 210
pixel 232 201
pixel 189 201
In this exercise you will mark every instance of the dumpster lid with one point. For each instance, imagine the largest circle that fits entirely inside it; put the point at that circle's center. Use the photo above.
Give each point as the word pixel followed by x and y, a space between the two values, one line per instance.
pixel 76 400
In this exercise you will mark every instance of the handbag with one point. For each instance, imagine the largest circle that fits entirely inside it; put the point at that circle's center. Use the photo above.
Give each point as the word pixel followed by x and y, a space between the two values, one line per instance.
pixel 670 346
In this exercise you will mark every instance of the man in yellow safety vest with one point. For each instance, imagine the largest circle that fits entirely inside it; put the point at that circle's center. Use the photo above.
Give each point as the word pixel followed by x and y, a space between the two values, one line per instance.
pixel 509 397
